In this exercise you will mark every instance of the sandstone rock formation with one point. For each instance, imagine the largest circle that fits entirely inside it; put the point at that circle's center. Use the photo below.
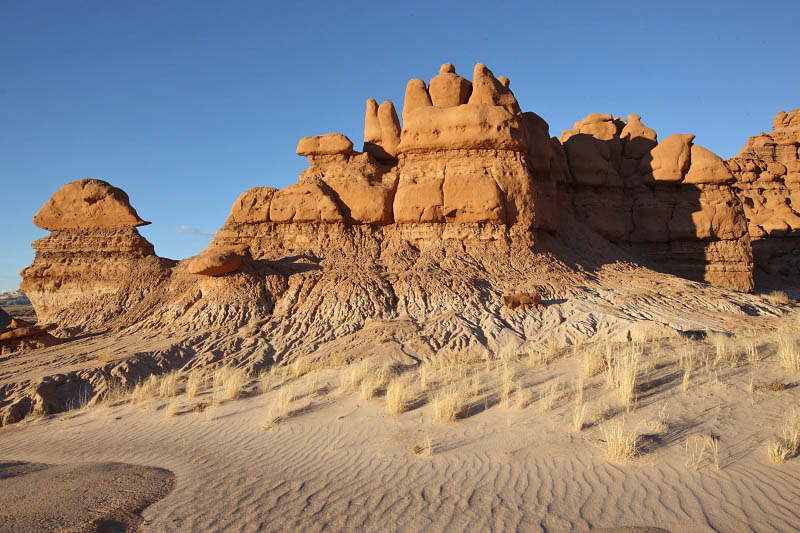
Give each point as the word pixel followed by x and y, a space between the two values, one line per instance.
pixel 520 299
pixel 19 335
pixel 671 202
pixel 767 172
pixel 469 206
pixel 94 264
pixel 87 203
pixel 215 262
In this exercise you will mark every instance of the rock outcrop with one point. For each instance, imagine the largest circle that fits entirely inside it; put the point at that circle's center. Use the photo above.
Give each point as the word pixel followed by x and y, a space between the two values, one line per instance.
pixel 94 264
pixel 767 172
pixel 19 335
pixel 671 202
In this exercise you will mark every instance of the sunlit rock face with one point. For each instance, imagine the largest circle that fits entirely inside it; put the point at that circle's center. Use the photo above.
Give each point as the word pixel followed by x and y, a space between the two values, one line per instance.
pixel 767 172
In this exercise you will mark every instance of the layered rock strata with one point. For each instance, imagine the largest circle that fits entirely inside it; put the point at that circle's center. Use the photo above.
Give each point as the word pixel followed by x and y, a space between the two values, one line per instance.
pixel 94 265
pixel 670 202
pixel 767 171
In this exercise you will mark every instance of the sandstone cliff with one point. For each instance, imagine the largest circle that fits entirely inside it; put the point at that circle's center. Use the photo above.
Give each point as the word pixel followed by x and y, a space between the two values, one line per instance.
pixel 767 171
pixel 670 202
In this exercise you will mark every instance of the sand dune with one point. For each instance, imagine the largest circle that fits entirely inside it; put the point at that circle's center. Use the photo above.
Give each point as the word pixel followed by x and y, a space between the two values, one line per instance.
pixel 341 463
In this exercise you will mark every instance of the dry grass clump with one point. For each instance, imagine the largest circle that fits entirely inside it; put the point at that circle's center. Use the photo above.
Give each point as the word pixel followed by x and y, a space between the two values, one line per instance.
pixel 578 417
pixel 622 368
pixel 376 381
pixel 301 366
pixel 778 451
pixel 195 383
pixel 354 375
pixel 172 409
pixel 788 444
pixel 232 381
pixel 777 298
pixel 398 394
pixel 621 445
pixel 723 348
pixel 550 395
pixel 115 392
pixel 146 390
pixel 425 449
pixel 449 403
pixel 788 349
pixel 507 385
pixel 168 385
pixel 281 409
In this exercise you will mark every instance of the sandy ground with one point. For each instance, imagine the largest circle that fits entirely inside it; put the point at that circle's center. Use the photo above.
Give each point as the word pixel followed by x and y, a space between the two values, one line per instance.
pixel 341 463
pixel 77 497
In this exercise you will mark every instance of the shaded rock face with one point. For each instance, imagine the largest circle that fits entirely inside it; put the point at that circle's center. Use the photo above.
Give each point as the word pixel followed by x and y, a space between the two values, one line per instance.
pixel 670 202
pixel 767 172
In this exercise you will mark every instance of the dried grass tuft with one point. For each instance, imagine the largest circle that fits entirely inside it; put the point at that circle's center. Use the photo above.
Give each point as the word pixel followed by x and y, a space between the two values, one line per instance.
pixel 621 445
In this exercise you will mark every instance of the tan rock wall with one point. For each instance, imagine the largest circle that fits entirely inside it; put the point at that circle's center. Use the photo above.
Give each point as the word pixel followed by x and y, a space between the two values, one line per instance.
pixel 671 202
pixel 767 173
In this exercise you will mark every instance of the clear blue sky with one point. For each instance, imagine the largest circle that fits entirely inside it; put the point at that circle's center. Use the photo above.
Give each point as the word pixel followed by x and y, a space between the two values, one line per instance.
pixel 185 104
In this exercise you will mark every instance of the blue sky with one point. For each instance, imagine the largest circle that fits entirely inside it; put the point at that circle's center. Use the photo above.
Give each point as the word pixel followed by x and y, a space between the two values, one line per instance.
pixel 185 105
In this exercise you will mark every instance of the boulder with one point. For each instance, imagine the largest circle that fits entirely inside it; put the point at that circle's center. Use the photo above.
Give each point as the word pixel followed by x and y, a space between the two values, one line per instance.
pixel 706 167
pixel 486 89
pixel 669 161
pixel 215 262
pixel 87 204
pixel 328 144
pixel 309 201
pixel 448 89
pixel 252 206
pixel 512 301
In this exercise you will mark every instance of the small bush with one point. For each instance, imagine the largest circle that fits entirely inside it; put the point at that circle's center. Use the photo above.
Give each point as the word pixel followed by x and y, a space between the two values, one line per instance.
pixel 621 445
pixel 448 404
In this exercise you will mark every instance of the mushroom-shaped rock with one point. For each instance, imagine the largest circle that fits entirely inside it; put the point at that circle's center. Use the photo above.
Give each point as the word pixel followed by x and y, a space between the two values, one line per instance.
pixel 309 201
pixel 215 262
pixel 87 204
pixel 328 144
pixel 416 96
pixel 669 161
pixel 706 167
pixel 448 89
pixel 486 89
pixel 252 206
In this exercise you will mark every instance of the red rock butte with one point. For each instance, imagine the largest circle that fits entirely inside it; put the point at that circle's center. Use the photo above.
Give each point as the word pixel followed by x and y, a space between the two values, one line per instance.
pixel 467 199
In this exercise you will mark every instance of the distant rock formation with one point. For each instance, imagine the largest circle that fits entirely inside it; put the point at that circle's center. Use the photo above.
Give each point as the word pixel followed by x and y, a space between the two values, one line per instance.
pixel 767 171
pixel 670 202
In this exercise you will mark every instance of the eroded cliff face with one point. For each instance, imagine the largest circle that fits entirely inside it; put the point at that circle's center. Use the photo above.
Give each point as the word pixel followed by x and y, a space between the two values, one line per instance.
pixel 767 171
pixel 466 172
pixel 94 265
pixel 671 203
